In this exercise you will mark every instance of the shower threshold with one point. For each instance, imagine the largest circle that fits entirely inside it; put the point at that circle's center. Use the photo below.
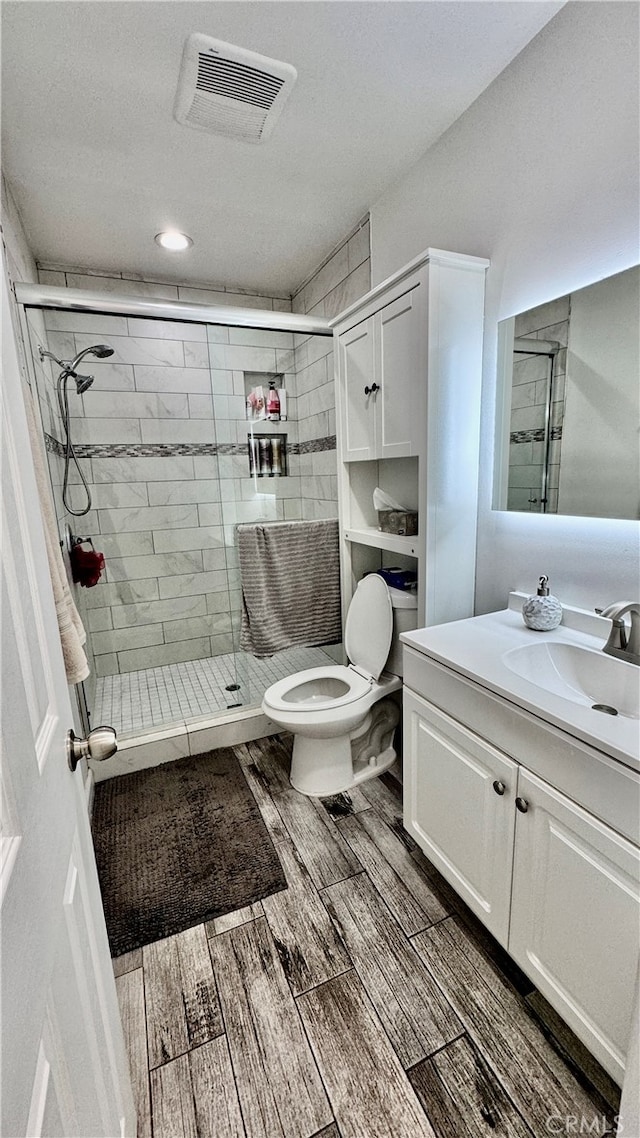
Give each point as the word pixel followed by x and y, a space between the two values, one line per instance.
pixel 135 703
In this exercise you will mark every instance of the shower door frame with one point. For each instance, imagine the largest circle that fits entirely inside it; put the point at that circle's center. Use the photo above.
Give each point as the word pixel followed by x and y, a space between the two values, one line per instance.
pixel 36 296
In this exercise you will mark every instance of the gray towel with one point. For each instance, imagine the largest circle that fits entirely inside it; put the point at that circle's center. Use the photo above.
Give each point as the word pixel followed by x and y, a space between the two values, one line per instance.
pixel 290 575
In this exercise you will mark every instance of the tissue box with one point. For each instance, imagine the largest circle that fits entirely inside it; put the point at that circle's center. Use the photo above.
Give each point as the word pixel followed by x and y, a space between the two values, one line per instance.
pixel 402 522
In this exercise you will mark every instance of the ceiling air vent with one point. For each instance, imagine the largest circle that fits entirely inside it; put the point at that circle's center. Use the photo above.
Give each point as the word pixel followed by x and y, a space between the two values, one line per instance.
pixel 227 90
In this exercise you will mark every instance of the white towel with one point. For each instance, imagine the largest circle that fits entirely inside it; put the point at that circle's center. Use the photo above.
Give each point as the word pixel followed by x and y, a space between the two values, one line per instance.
pixel 72 633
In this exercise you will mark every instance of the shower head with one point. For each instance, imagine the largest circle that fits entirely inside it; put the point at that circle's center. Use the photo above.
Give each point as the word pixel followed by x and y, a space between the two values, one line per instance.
pixel 101 351
pixel 83 382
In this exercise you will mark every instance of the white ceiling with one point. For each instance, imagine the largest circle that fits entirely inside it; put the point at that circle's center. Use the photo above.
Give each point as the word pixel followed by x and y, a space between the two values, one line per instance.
pixel 98 164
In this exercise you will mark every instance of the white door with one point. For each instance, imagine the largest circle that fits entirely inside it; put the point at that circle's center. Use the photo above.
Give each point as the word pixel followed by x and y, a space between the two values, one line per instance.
pixel 575 917
pixel 459 807
pixel 357 399
pixel 401 375
pixel 64 1070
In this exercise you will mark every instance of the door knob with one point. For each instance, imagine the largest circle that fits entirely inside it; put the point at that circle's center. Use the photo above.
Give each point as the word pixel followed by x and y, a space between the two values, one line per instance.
pixel 371 390
pixel 522 805
pixel 99 745
pixel 499 787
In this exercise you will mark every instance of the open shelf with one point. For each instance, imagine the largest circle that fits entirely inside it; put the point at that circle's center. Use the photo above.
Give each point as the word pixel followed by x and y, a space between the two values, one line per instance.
pixel 394 543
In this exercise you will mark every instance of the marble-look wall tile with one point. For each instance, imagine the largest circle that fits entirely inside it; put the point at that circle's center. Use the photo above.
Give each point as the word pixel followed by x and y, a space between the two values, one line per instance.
pixel 112 377
pixel 197 490
pixel 205 537
pixel 121 639
pixel 192 628
pixel 98 620
pixel 165 329
pixel 116 593
pixel 117 285
pixel 161 654
pixel 125 545
pixel 190 380
pixel 196 354
pixel 260 338
pixel 152 612
pixel 92 323
pixel 177 430
pixel 148 517
pixel 172 469
pixel 139 349
pixel 200 407
pixel 358 246
pixel 112 495
pixel 157 565
pixel 193 584
pixel 106 430
pixel 134 405
pixel 214 297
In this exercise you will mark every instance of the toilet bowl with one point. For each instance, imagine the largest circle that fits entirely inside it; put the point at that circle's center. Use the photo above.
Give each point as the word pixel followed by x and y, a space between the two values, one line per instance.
pixel 342 731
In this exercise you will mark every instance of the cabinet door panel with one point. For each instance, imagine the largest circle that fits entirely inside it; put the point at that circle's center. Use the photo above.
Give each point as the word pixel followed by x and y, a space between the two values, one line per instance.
pixel 575 917
pixel 356 373
pixel 454 813
pixel 401 376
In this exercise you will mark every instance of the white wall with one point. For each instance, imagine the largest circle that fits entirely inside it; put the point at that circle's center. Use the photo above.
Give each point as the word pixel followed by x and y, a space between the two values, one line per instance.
pixel 539 175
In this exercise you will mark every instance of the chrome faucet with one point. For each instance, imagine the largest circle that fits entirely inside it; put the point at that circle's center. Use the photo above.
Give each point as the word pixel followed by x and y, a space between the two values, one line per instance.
pixel 625 645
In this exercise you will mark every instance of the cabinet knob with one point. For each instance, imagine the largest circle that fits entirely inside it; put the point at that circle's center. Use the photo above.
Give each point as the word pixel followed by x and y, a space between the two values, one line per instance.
pixel 499 787
pixel 371 390
pixel 522 805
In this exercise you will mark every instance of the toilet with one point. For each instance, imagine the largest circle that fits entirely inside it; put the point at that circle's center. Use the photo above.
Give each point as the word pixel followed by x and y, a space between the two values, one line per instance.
pixel 340 716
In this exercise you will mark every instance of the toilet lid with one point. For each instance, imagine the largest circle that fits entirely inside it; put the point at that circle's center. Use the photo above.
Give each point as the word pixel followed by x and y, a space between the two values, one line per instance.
pixel 369 625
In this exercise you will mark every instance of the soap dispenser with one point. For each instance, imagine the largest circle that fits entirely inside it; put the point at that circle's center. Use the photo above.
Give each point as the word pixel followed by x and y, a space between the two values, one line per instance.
pixel 542 612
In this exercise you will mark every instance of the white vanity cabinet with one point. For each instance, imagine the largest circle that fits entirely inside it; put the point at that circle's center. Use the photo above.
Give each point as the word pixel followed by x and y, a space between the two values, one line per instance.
pixel 459 806
pixel 575 917
pixel 557 886
pixel 408 377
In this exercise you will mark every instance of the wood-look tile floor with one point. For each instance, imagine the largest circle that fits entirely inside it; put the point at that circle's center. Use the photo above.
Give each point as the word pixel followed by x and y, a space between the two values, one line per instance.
pixel 364 1001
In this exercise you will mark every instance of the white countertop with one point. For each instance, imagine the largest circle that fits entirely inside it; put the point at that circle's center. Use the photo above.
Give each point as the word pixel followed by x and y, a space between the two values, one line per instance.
pixel 475 648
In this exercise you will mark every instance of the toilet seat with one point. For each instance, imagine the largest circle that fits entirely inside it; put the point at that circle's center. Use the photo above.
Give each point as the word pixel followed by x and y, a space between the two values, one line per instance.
pixel 281 696
pixel 369 626
pixel 368 632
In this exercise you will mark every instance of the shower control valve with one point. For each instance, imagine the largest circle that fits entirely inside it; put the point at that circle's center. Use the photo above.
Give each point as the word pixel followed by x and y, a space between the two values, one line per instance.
pixel 100 744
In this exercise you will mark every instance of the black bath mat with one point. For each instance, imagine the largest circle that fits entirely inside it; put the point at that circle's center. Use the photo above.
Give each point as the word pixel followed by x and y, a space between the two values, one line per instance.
pixel 177 845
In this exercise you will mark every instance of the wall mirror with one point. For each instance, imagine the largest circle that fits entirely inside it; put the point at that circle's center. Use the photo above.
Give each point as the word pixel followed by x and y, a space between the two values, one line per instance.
pixel 568 432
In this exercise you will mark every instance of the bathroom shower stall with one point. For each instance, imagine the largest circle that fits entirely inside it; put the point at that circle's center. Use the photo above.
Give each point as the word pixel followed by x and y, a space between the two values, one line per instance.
pixel 169 435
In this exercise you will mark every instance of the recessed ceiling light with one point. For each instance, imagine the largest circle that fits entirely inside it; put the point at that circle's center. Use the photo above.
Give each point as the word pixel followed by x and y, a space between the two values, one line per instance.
pixel 173 240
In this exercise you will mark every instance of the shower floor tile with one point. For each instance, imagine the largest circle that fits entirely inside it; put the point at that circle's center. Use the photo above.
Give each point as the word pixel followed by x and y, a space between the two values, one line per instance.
pixel 135 702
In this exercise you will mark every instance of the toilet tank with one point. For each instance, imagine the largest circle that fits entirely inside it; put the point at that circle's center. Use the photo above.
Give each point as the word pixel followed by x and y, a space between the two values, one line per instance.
pixel 405 619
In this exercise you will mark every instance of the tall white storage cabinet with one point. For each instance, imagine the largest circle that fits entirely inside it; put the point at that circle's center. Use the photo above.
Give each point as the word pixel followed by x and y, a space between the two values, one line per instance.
pixel 408 358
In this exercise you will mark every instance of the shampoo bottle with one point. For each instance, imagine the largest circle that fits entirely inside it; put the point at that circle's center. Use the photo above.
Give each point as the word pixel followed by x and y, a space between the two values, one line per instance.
pixel 542 612
pixel 273 402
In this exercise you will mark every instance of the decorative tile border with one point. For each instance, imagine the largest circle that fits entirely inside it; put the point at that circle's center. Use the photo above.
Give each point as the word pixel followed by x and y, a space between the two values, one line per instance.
pixel 170 450
pixel 53 446
pixel 535 435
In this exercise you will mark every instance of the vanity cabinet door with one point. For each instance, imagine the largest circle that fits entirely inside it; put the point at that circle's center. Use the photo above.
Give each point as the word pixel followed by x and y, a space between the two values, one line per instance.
pixel 401 376
pixel 459 807
pixel 358 402
pixel 575 917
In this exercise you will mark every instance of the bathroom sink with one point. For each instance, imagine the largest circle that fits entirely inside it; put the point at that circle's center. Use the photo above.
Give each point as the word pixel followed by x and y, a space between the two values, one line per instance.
pixel 582 675
pixel 559 676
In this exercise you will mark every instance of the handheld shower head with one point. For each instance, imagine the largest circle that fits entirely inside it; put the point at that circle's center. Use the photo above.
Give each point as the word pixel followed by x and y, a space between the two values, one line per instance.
pixel 101 351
